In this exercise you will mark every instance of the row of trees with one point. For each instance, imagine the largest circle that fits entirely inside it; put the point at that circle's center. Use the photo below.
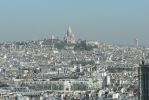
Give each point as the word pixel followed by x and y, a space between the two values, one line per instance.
pixel 82 45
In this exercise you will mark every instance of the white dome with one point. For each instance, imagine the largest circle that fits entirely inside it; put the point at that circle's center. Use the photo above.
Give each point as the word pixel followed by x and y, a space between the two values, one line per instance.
pixel 69 30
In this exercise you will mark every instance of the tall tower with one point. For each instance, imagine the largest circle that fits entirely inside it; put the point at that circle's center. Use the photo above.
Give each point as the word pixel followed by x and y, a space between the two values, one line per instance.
pixel 143 77
pixel 69 36
pixel 136 42
pixel 52 41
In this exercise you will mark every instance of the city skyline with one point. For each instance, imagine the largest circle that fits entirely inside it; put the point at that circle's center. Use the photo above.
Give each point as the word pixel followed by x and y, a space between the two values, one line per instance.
pixel 112 21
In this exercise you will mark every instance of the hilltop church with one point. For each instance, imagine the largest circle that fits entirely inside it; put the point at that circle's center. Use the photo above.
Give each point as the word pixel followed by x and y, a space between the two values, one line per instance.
pixel 69 37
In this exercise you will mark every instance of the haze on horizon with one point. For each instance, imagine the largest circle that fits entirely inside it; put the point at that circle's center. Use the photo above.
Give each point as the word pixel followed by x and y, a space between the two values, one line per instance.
pixel 113 21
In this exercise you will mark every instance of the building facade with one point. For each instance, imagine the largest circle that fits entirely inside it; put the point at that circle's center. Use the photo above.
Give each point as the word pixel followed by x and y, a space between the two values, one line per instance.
pixel 143 76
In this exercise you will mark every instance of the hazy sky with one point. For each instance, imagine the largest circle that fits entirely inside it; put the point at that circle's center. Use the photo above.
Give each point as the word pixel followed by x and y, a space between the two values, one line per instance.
pixel 116 21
